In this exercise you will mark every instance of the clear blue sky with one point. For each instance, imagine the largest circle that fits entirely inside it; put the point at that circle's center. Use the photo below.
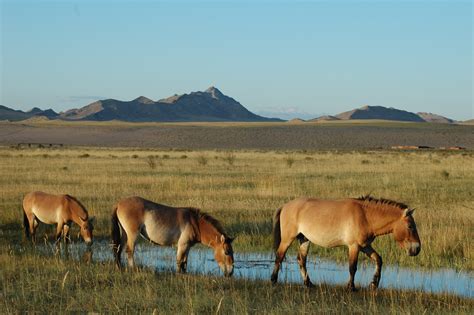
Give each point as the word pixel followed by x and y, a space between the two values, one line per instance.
pixel 311 57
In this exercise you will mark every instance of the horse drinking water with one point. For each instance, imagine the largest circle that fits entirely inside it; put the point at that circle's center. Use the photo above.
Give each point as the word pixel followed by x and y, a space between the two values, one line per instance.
pixel 164 225
pixel 354 223
pixel 55 209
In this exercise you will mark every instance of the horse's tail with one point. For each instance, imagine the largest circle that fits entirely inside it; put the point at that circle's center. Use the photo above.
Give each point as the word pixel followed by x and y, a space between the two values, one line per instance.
pixel 276 229
pixel 26 225
pixel 116 235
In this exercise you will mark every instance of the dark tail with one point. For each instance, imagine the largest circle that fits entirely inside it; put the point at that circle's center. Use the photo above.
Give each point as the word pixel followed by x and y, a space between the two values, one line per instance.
pixel 26 225
pixel 276 229
pixel 116 236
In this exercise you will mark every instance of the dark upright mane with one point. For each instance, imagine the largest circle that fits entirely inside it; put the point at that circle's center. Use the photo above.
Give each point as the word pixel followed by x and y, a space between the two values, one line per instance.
pixel 382 201
pixel 208 218
pixel 80 205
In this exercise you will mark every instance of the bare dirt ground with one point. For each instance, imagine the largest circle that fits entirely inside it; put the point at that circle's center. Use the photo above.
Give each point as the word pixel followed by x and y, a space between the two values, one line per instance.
pixel 271 136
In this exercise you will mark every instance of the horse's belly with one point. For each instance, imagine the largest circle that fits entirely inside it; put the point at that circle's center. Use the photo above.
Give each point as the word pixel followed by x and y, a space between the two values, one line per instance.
pixel 324 237
pixel 326 241
pixel 164 236
pixel 48 217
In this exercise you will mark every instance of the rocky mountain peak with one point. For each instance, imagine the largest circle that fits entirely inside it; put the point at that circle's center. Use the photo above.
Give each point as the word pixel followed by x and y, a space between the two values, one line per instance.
pixel 143 100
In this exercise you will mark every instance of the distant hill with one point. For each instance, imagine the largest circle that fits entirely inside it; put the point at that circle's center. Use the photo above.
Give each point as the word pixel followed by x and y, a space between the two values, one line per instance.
pixel 206 106
pixel 469 122
pixel 380 112
pixel 430 117
pixel 210 105
pixel 7 113
pixel 296 121
pixel 324 118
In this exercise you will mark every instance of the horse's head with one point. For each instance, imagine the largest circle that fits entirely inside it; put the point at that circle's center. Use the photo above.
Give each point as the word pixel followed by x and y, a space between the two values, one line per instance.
pixel 405 233
pixel 224 255
pixel 86 230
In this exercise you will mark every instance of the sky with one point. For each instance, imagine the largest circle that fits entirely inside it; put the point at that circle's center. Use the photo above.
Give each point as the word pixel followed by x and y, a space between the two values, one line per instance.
pixel 281 58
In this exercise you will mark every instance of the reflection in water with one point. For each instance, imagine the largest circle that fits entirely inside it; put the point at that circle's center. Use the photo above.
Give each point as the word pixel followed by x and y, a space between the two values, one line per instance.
pixel 259 266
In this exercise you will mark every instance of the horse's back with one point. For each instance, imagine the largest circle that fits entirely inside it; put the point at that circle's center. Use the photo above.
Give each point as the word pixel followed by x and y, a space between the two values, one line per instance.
pixel 324 222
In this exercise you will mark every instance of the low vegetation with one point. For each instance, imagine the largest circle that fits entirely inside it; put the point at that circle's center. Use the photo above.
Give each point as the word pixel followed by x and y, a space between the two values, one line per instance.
pixel 243 194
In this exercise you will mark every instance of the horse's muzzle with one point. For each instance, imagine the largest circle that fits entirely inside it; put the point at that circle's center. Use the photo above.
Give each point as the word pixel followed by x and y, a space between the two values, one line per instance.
pixel 413 248
pixel 228 270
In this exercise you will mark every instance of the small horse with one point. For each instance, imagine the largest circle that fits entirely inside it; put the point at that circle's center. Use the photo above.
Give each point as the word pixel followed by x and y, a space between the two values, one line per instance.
pixel 354 223
pixel 164 225
pixel 55 209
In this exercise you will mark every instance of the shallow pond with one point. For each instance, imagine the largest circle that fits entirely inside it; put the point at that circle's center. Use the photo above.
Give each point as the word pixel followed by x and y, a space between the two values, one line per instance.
pixel 259 266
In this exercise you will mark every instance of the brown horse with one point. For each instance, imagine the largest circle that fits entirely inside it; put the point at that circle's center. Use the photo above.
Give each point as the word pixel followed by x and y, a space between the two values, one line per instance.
pixel 55 209
pixel 354 223
pixel 164 225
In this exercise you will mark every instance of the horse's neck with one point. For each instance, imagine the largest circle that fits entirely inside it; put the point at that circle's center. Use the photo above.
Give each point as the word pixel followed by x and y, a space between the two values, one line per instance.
pixel 77 213
pixel 381 218
pixel 209 235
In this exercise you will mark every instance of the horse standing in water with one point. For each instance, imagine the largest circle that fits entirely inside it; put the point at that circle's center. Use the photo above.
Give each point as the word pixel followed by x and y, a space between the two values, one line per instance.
pixel 164 225
pixel 55 209
pixel 354 223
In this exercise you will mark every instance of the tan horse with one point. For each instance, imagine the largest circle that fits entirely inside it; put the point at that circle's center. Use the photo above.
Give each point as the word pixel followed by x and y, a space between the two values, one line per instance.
pixel 166 226
pixel 354 223
pixel 55 209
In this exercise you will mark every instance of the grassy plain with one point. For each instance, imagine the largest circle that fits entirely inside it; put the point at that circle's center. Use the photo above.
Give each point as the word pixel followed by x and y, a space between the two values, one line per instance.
pixel 242 189
pixel 346 135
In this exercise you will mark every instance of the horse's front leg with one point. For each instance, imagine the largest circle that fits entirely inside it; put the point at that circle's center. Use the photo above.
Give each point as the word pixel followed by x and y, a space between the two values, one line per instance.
pixel 372 254
pixel 66 237
pixel 353 258
pixel 182 257
pixel 59 231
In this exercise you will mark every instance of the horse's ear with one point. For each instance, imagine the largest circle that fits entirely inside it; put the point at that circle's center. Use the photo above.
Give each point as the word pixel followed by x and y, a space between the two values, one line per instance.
pixel 408 212
pixel 222 238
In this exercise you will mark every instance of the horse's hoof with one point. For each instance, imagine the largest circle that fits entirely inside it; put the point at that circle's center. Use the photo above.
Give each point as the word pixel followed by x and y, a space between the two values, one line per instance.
pixel 351 288
pixel 373 286
pixel 274 280
pixel 309 284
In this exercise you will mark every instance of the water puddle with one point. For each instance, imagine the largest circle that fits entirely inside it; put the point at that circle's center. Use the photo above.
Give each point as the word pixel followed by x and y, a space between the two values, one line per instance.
pixel 259 266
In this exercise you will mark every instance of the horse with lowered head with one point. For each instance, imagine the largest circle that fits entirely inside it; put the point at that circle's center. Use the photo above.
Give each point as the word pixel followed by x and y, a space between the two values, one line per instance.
pixel 166 226
pixel 61 210
pixel 354 223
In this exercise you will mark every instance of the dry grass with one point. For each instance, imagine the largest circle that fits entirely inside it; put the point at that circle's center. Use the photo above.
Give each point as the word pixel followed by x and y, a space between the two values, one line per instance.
pixel 243 195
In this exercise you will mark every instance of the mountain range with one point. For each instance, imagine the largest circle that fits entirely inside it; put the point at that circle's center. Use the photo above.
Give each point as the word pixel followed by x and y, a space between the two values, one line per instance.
pixel 209 105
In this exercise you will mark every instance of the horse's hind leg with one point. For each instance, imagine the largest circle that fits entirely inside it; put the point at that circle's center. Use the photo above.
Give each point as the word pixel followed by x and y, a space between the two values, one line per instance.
pixel 118 250
pixel 279 256
pixel 353 258
pixel 372 254
pixel 131 238
pixel 33 226
pixel 302 257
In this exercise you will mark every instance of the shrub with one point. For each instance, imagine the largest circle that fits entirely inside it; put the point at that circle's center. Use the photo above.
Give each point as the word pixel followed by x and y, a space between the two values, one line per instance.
pixel 230 158
pixel 202 160
pixel 445 174
pixel 151 162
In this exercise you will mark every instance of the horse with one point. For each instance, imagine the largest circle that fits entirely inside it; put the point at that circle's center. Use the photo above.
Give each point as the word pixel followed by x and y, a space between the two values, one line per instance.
pixel 164 225
pixel 55 209
pixel 353 222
